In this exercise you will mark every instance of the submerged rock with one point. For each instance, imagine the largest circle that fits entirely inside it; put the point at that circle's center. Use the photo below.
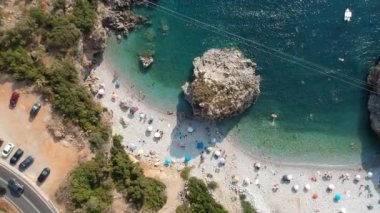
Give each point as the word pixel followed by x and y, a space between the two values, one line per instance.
pixel 224 84
pixel 373 81
pixel 146 60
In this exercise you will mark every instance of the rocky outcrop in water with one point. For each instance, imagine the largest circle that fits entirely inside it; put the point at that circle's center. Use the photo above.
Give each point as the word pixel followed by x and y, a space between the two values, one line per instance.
pixel 224 84
pixel 118 16
pixel 146 60
pixel 373 81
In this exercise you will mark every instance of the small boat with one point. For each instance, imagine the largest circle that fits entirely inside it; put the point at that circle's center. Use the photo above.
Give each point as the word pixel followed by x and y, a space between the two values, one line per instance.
pixel 347 15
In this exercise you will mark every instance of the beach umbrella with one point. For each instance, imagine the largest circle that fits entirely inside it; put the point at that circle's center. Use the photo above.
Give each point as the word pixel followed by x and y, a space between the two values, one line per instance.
pixel 209 149
pixel 315 196
pixel 142 115
pixel 133 147
pixel 217 154
pixel 157 135
pixel 307 187
pixel 134 109
pixel 114 95
pixel 257 182
pixel 295 188
pixel 369 175
pixel 102 85
pixel 235 178
pixel 289 177
pixel 200 145
pixel 140 152
pixel 190 129
pixel 101 91
pixel 213 140
pixel 222 161
pixel 150 128
pixel 342 210
pixel 337 197
pixel 357 177
pixel 257 165
pixel 331 187
pixel 247 181
pixel 150 120
pixel 167 162
pixel 187 158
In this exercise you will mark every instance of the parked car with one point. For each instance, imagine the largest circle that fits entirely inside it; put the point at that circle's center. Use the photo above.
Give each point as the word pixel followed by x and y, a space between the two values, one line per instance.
pixel 15 186
pixel 26 163
pixel 44 174
pixel 8 149
pixel 14 99
pixel 35 109
pixel 16 156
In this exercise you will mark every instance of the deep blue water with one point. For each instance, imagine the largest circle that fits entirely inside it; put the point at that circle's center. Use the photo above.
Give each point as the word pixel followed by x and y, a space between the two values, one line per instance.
pixel 320 118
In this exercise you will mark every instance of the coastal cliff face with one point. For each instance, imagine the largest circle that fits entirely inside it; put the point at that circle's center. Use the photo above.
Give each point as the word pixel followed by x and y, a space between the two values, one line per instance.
pixel 224 84
pixel 373 81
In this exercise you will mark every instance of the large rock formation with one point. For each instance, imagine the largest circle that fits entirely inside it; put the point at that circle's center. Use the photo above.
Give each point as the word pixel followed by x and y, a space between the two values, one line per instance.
pixel 224 84
pixel 373 81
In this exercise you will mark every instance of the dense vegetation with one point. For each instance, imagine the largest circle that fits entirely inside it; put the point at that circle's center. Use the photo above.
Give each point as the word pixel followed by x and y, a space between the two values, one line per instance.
pixel 199 200
pixel 185 173
pixel 88 188
pixel 48 35
pixel 59 82
pixel 145 193
pixel 246 205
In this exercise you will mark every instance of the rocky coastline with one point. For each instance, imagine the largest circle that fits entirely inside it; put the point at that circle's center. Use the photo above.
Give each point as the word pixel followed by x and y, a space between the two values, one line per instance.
pixel 373 81
pixel 224 85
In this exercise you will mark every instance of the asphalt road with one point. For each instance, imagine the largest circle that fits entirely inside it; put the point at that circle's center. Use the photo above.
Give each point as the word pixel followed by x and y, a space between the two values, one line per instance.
pixel 30 201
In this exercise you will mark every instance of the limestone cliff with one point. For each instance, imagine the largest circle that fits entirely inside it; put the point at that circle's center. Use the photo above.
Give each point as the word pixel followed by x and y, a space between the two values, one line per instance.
pixel 373 81
pixel 224 84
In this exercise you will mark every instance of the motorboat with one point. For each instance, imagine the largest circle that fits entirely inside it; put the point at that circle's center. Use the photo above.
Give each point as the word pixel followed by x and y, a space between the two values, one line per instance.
pixel 347 15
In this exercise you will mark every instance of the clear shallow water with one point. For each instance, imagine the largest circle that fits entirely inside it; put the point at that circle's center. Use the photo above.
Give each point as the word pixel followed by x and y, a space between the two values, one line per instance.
pixel 319 117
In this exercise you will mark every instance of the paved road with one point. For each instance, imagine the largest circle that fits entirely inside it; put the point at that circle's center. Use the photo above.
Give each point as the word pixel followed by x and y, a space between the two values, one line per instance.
pixel 30 201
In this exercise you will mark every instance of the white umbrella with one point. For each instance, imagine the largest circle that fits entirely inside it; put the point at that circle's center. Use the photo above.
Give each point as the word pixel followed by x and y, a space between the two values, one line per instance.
pixel 209 149
pixel 331 187
pixel 296 187
pixel 150 128
pixel 342 210
pixel 257 166
pixel 222 161
pixel 190 129
pixel 157 135
pixel 217 153
pixel 307 187
pixel 247 181
pixel 257 182
pixel 289 177
pixel 357 177
pixel 101 91
pixel 142 115
pixel 369 174
pixel 140 152
pixel 213 140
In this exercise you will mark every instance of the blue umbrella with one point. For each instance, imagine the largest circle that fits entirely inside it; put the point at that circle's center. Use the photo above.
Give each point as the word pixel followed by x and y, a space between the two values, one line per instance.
pixel 200 145
pixel 338 197
pixel 187 158
pixel 167 162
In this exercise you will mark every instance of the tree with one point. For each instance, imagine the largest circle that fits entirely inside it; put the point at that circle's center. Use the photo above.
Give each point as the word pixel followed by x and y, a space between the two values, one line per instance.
pixel 84 16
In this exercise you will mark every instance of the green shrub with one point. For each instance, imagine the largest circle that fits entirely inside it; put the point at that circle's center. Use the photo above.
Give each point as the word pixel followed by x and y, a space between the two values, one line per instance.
pixel 145 193
pixel 212 185
pixel 199 199
pixel 245 205
pixel 87 189
pixel 84 16
pixel 185 173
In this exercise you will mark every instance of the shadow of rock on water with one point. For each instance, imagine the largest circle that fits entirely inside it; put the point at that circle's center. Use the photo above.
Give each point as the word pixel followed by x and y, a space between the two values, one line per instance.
pixel 370 156
pixel 210 134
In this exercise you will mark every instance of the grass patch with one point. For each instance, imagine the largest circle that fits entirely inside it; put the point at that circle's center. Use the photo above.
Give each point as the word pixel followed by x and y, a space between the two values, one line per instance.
pixel 212 185
pixel 185 173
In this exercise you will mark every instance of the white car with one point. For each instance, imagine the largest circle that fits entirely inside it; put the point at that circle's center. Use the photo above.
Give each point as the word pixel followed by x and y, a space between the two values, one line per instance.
pixel 8 149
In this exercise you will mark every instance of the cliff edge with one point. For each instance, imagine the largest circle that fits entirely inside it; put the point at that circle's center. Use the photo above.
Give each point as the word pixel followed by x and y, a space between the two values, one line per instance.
pixel 224 84
pixel 373 81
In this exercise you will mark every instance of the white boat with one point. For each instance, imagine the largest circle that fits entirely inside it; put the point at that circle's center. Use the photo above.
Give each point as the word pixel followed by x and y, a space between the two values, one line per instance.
pixel 347 15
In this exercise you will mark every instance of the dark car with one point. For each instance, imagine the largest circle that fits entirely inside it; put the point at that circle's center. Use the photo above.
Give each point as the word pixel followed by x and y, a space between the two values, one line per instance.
pixel 15 186
pixel 44 174
pixel 35 109
pixel 14 98
pixel 26 163
pixel 16 156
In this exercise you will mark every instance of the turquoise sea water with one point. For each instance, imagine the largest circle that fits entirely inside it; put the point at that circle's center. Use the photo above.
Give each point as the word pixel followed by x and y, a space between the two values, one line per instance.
pixel 320 119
